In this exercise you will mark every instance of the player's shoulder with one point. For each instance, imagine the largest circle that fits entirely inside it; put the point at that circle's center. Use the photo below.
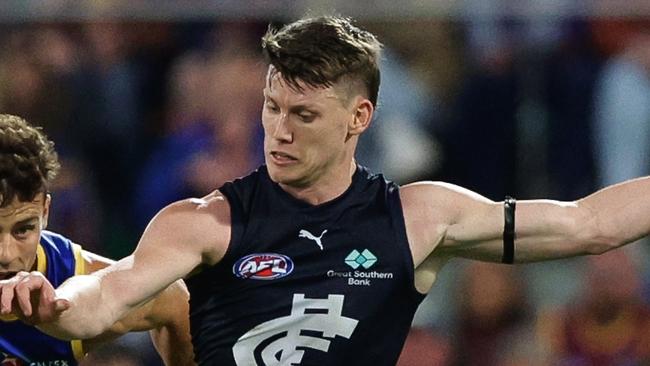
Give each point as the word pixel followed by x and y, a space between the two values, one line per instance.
pixel 213 204
pixel 55 240
pixel 212 209
pixel 442 201
pixel 53 236
pixel 435 191
pixel 204 222
pixel 422 192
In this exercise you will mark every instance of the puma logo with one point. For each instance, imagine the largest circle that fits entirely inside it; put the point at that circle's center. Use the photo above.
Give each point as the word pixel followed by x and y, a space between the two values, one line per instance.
pixel 306 234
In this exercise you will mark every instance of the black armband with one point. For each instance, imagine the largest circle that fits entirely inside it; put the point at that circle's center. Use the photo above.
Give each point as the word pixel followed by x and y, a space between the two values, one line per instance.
pixel 509 205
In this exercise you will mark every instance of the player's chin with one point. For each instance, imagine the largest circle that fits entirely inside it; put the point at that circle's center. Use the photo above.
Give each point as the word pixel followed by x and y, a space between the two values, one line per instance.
pixel 280 177
pixel 284 175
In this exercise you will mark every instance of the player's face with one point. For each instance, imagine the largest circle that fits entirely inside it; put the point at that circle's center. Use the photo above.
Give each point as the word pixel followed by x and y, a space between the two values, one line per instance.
pixel 305 132
pixel 20 230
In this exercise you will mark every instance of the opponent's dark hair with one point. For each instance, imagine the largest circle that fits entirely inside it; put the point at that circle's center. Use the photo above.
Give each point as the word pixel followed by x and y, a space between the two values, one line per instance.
pixel 28 162
pixel 322 51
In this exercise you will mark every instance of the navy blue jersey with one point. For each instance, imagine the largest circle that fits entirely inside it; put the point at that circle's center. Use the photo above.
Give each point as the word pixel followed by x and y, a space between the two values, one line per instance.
pixel 331 284
pixel 20 344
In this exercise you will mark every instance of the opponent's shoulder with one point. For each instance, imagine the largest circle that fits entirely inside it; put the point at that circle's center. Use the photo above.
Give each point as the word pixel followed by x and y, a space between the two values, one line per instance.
pixel 59 243
pixel 201 223
pixel 54 240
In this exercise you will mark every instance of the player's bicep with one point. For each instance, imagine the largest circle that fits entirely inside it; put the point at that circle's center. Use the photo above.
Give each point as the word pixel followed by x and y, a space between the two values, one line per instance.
pixel 544 229
pixel 446 220
pixel 473 223
pixel 174 243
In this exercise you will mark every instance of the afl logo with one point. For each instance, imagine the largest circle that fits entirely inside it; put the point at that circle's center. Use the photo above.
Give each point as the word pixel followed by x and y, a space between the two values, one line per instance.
pixel 263 266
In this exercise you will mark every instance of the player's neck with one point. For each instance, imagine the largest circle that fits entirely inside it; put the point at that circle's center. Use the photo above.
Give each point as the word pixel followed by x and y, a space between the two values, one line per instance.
pixel 328 187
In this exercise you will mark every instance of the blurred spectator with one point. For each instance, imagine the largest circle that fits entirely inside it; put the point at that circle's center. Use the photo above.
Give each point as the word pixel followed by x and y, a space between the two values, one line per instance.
pixel 570 78
pixel 107 110
pixel 33 63
pixel 213 132
pixel 425 348
pixel 494 325
pixel 609 324
pixel 479 141
pixel 75 207
pixel 398 144
pixel 106 126
pixel 622 112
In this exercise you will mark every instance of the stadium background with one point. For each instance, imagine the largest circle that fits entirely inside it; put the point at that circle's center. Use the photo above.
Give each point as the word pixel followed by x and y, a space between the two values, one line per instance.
pixel 153 101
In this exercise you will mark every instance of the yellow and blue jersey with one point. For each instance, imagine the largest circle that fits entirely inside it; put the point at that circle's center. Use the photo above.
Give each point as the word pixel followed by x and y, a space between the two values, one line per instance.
pixel 21 344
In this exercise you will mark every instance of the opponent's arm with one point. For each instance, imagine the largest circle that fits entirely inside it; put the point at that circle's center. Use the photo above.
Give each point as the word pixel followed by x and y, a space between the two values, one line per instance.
pixel 444 220
pixel 166 316
pixel 180 238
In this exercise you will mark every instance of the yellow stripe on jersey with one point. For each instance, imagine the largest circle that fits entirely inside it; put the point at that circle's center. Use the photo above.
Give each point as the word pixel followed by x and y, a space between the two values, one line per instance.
pixel 77 349
pixel 8 318
pixel 41 259
pixel 79 262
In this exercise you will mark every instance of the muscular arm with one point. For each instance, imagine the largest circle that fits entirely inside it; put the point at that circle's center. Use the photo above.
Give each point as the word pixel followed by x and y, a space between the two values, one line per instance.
pixel 178 239
pixel 166 316
pixel 445 221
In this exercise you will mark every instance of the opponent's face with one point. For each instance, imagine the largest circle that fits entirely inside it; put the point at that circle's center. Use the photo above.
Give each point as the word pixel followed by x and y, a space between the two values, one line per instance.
pixel 307 133
pixel 20 231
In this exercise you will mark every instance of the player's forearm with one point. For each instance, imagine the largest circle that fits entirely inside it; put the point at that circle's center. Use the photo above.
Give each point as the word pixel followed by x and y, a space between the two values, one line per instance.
pixel 600 222
pixel 620 213
pixel 88 315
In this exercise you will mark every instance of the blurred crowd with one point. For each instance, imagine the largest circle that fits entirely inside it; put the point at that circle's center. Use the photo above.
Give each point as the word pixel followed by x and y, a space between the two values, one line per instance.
pixel 146 113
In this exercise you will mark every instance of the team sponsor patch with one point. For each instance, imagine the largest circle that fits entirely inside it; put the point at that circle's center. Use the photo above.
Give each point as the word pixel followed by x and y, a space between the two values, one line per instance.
pixel 360 262
pixel 263 266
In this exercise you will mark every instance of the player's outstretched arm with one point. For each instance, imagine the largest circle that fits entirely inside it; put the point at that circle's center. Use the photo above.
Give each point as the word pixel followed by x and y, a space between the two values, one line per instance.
pixel 444 220
pixel 166 317
pixel 178 239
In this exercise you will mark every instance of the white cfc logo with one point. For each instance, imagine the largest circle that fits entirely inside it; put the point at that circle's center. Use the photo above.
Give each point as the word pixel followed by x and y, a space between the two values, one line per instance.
pixel 324 316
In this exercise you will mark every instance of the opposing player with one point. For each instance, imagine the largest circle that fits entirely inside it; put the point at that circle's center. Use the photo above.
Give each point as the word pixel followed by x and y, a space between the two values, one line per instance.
pixel 311 259
pixel 28 163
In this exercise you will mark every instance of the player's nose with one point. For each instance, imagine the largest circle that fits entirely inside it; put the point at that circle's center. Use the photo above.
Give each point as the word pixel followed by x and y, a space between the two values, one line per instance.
pixel 6 250
pixel 282 130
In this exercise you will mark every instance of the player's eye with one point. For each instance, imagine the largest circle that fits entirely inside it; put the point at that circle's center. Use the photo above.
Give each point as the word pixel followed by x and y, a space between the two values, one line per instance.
pixel 307 117
pixel 272 107
pixel 22 231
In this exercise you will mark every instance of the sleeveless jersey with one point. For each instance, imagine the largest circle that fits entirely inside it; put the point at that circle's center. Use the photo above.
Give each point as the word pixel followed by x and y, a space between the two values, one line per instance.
pixel 20 344
pixel 330 284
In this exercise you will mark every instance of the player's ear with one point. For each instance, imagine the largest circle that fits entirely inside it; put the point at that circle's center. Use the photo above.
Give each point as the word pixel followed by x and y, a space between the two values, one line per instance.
pixel 362 116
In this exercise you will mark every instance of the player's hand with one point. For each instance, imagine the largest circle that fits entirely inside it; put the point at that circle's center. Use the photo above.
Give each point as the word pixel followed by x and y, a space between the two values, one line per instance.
pixel 31 297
